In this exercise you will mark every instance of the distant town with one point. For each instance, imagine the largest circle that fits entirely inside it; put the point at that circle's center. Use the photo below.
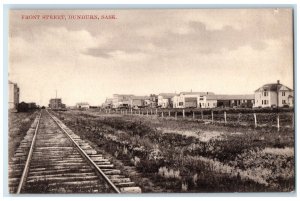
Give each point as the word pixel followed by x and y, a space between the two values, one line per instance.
pixel 268 95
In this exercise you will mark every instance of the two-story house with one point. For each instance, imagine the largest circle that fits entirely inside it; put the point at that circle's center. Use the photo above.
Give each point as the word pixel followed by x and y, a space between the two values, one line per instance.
pixel 273 95
pixel 164 100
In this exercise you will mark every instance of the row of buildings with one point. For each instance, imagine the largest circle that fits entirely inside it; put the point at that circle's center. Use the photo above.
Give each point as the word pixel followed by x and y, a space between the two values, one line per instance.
pixel 269 95
pixel 14 103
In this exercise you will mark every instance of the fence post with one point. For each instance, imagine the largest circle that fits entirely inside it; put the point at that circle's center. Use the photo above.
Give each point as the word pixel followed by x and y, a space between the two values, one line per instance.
pixel 162 114
pixel 151 111
pixel 212 116
pixel 225 118
pixel 156 111
pixel 278 124
pixel 255 121
pixel 183 113
pixel 193 115
pixel 131 111
pixel 169 113
pixel 147 112
pixel 175 115
pixel 202 114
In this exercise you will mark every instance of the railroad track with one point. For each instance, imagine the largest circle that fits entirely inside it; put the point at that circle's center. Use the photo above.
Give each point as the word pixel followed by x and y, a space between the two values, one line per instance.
pixel 52 159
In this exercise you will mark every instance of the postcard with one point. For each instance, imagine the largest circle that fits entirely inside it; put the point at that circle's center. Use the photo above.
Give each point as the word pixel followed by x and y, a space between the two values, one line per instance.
pixel 151 101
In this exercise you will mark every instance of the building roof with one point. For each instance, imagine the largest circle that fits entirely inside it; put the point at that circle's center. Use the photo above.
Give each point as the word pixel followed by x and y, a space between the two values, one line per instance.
pixel 231 97
pixel 167 95
pixel 272 87
pixel 123 95
pixel 140 97
pixel 83 103
pixel 197 93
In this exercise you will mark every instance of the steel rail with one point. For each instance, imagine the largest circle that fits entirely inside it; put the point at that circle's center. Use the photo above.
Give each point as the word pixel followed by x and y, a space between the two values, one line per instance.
pixel 26 168
pixel 86 156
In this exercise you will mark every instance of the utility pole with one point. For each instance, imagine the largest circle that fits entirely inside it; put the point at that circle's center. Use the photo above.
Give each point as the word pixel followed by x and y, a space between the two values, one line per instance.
pixel 277 92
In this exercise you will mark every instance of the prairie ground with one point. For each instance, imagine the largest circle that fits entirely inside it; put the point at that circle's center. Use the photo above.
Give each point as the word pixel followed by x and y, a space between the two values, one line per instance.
pixel 187 156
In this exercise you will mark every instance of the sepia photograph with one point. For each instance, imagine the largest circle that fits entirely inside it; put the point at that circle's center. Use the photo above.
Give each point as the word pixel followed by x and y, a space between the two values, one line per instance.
pixel 147 101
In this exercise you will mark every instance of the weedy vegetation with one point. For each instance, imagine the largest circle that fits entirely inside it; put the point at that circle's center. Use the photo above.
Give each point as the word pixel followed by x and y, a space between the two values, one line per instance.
pixel 187 156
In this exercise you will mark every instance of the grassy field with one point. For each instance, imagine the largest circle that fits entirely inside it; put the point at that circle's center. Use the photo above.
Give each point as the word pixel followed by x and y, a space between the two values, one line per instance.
pixel 18 125
pixel 188 156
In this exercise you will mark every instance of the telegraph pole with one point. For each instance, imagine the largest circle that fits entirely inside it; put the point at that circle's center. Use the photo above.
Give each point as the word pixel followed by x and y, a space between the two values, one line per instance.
pixel 277 92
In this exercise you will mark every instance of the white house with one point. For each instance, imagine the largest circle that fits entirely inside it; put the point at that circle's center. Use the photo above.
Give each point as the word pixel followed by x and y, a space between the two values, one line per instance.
pixel 194 100
pixel 209 101
pixel 164 100
pixel 274 94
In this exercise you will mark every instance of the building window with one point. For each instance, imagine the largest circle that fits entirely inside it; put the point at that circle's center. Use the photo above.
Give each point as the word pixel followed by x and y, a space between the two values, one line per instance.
pixel 201 98
pixel 180 103
pixel 207 104
pixel 265 93
pixel 262 102
pixel 283 102
pixel 283 93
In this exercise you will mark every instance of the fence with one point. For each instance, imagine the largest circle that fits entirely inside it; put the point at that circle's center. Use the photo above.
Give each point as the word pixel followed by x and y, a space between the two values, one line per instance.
pixel 230 117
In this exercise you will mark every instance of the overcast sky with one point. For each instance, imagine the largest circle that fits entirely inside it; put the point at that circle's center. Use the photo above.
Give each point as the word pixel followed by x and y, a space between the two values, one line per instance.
pixel 149 51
